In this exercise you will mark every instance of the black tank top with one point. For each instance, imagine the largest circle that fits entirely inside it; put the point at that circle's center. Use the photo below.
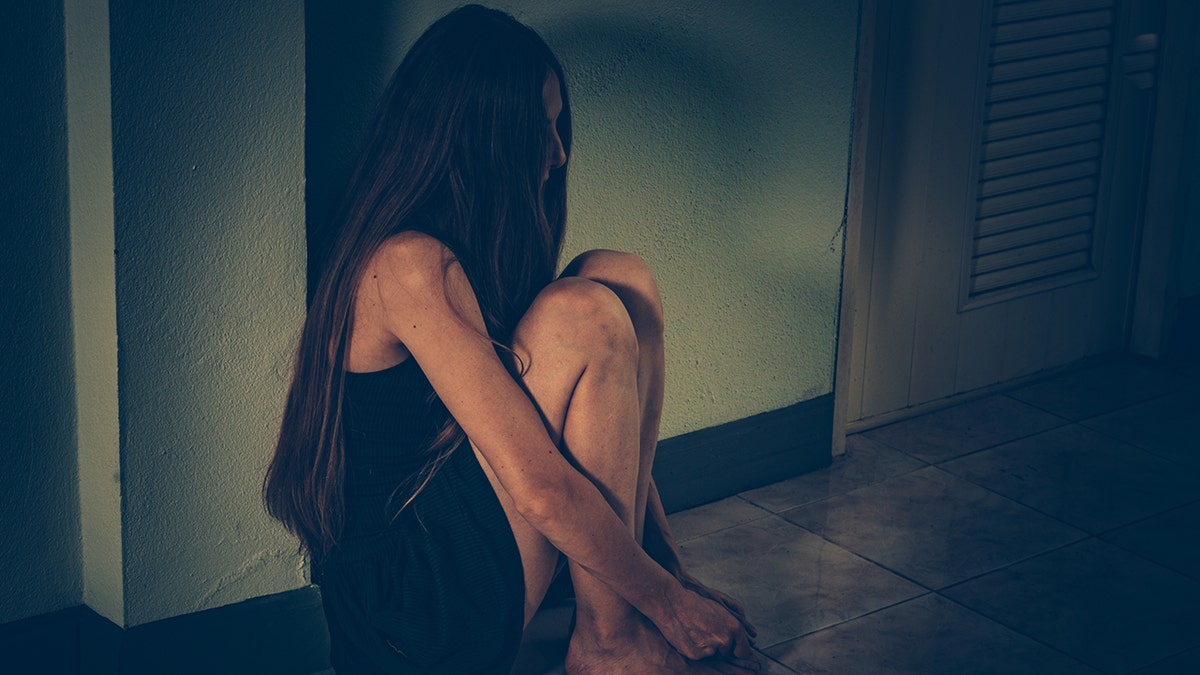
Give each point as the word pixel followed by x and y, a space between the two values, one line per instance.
pixel 391 417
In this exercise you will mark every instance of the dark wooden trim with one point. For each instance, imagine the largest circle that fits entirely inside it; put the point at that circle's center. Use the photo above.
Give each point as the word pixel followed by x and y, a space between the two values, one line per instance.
pixel 710 464
pixel 286 632
pixel 280 633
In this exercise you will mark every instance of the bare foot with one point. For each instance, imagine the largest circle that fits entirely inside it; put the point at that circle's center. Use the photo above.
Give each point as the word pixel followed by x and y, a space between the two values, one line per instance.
pixel 642 651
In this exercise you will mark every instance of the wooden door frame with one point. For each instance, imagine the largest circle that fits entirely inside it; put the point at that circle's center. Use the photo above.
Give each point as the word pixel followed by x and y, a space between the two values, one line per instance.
pixel 874 18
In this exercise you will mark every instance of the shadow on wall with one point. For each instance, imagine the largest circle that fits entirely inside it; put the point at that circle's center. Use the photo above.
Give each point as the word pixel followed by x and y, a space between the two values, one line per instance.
pixel 39 500
pixel 350 53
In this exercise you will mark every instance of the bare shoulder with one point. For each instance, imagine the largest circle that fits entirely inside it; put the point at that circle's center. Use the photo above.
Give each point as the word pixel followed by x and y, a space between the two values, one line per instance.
pixel 415 274
pixel 410 259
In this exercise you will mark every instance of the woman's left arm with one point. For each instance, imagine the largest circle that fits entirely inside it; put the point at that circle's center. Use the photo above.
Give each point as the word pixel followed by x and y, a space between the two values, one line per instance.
pixel 660 545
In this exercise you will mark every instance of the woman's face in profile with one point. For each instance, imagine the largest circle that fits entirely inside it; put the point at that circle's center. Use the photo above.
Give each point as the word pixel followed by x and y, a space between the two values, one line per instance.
pixel 556 156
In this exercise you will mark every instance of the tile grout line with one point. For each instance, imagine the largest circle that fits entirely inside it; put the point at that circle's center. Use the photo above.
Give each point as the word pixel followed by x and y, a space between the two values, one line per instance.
pixel 1132 444
pixel 766 512
pixel 1065 423
pixel 843 622
pixel 1032 638
pixel 838 494
pixel 1047 515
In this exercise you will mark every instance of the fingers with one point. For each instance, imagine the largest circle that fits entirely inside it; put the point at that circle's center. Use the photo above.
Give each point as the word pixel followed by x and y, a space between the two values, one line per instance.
pixel 737 656
pixel 731 669
pixel 735 608
pixel 713 628
pixel 735 664
pixel 744 655
pixel 751 631
pixel 730 604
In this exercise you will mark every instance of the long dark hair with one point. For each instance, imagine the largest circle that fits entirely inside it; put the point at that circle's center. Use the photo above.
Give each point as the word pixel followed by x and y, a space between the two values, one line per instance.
pixel 457 152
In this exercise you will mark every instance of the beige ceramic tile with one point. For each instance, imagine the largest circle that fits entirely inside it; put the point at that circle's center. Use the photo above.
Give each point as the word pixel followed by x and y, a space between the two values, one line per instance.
pixel 702 520
pixel 1097 390
pixel 1188 662
pixel 965 428
pixel 1081 477
pixel 865 462
pixel 1098 603
pixel 791 581
pixel 1166 426
pixel 932 527
pixel 925 636
pixel 1171 539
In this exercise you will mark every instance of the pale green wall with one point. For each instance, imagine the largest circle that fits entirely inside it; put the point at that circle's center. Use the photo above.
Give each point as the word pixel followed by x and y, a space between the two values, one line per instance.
pixel 711 138
pixel 208 171
pixel 39 504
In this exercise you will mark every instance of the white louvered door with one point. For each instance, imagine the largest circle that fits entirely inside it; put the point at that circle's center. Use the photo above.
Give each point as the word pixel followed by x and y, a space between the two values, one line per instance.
pixel 999 235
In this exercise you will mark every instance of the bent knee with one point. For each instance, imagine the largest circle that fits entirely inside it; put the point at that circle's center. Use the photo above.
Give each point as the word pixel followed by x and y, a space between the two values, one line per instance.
pixel 584 313
pixel 627 275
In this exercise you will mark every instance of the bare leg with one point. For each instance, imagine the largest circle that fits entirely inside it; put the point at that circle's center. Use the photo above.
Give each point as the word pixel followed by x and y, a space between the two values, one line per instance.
pixel 582 370
pixel 629 277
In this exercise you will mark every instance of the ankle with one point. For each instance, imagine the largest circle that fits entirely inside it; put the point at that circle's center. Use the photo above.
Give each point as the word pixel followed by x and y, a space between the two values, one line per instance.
pixel 606 632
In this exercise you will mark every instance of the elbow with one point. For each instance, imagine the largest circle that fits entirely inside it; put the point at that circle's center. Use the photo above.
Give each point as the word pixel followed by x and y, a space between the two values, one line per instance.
pixel 542 505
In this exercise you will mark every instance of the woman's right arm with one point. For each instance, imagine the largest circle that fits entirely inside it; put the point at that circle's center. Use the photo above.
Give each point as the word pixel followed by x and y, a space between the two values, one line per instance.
pixel 429 306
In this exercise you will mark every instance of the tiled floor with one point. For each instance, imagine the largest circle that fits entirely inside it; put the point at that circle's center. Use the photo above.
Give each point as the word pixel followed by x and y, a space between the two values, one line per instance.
pixel 1051 529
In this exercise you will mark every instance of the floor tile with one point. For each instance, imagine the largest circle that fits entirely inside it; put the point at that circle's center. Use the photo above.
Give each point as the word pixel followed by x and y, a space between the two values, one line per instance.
pixel 932 527
pixel 1168 426
pixel 709 518
pixel 773 667
pixel 925 636
pixel 1094 601
pixel 1096 390
pixel 965 428
pixel 1081 477
pixel 1171 539
pixel 791 581
pixel 1186 663
pixel 865 462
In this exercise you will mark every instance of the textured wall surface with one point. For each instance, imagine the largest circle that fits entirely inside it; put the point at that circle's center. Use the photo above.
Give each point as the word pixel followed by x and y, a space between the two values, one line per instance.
pixel 711 138
pixel 39 503
pixel 207 138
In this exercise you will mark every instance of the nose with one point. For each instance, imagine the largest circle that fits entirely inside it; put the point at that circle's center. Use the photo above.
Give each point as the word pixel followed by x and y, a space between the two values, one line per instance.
pixel 558 156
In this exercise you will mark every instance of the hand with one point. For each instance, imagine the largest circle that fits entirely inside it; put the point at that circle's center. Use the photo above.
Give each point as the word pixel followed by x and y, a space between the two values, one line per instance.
pixel 735 608
pixel 702 629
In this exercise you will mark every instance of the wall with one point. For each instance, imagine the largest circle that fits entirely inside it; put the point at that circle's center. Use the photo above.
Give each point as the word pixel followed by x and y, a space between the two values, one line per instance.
pixel 39 504
pixel 207 144
pixel 711 138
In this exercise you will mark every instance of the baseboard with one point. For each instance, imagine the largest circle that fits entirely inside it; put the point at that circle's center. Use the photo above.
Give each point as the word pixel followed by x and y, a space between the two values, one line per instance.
pixel 285 633
pixel 282 633
pixel 710 464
